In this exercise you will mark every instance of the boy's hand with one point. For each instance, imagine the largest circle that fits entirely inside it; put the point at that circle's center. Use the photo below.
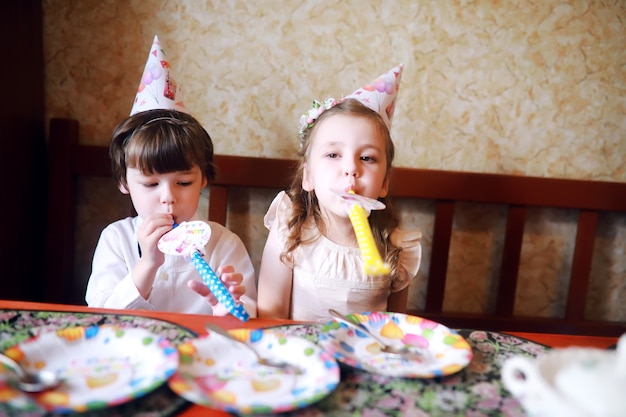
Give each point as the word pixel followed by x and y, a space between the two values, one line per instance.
pixel 150 257
pixel 231 279
pixel 151 230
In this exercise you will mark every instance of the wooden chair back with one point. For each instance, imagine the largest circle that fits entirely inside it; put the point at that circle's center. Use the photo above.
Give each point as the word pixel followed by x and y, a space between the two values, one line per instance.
pixel 518 194
pixel 70 160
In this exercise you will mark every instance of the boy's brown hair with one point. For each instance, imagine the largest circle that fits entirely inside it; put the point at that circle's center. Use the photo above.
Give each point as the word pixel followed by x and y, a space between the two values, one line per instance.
pixel 160 141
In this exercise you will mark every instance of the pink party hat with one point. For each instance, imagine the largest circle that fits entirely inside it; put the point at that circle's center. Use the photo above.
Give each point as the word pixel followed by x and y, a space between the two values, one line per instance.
pixel 379 95
pixel 158 88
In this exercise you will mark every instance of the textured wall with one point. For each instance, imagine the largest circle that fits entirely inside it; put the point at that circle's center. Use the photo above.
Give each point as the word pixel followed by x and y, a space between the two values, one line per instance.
pixel 529 88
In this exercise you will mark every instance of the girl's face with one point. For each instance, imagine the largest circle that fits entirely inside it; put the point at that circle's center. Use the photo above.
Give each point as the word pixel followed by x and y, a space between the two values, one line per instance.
pixel 346 153
pixel 176 193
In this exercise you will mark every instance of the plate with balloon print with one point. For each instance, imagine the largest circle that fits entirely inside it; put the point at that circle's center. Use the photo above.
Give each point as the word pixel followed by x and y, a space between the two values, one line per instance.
pixel 441 351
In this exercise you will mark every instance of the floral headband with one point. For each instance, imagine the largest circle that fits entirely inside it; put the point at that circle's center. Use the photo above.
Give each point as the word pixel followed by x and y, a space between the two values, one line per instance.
pixel 379 95
pixel 317 108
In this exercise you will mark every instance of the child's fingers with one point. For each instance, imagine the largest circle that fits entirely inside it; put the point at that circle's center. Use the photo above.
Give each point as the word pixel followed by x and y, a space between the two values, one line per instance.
pixel 237 291
pixel 153 227
pixel 202 290
pixel 225 269
pixel 231 279
pixel 233 283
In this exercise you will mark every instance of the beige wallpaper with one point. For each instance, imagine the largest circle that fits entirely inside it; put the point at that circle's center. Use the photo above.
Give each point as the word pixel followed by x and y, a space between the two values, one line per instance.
pixel 529 88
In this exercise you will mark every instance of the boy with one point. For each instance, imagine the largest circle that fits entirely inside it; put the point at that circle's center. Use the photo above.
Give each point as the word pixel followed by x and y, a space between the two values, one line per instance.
pixel 162 157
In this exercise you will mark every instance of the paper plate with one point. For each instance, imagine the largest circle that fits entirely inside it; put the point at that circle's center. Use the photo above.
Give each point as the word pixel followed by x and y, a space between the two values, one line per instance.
pixel 101 366
pixel 215 373
pixel 443 351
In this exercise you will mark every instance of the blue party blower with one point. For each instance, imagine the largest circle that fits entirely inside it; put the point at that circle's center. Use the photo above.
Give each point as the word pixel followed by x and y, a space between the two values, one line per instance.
pixel 188 239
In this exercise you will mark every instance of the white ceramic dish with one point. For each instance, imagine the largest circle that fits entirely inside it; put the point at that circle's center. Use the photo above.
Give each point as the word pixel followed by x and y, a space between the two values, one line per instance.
pixel 570 382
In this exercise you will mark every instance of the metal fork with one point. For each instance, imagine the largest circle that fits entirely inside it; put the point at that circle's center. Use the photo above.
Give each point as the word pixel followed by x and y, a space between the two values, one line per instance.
pixel 278 364
pixel 405 352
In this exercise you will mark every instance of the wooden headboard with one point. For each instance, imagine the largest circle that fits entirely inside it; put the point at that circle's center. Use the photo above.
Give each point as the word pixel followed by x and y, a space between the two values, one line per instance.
pixel 69 160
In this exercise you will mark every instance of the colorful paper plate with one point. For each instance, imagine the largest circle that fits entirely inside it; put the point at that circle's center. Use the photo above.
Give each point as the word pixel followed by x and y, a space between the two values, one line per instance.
pixel 101 366
pixel 215 373
pixel 443 351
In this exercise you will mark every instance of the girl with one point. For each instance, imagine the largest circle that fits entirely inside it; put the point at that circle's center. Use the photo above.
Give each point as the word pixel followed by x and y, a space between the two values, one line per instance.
pixel 311 261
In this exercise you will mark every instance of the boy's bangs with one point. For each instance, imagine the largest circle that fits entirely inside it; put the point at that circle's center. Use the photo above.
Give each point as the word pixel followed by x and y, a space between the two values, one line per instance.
pixel 154 155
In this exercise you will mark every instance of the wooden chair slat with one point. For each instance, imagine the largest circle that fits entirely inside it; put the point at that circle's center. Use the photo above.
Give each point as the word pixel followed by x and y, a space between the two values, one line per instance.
pixel 218 204
pixel 509 269
pixel 581 266
pixel 442 235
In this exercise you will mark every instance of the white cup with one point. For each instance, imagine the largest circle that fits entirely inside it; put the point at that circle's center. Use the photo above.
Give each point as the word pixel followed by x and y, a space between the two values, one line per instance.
pixel 570 382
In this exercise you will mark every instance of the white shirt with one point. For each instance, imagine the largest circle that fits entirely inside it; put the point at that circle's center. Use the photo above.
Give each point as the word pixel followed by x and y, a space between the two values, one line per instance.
pixel 111 285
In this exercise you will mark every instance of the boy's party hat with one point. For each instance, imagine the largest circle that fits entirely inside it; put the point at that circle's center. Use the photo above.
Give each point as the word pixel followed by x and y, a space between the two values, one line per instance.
pixel 158 88
pixel 379 95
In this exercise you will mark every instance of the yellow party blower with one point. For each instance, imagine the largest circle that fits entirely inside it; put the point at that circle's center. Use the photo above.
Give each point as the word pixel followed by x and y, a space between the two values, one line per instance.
pixel 372 261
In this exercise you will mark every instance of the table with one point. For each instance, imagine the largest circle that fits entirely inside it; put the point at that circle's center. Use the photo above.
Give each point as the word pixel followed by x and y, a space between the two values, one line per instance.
pixel 482 343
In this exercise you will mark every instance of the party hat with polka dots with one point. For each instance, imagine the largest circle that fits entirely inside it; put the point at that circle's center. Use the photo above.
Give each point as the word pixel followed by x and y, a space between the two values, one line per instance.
pixel 158 88
pixel 380 94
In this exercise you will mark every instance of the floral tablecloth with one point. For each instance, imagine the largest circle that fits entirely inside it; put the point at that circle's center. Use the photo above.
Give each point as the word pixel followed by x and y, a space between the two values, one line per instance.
pixel 476 391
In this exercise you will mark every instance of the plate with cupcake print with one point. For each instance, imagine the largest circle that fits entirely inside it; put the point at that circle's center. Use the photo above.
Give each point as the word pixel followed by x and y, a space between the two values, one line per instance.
pixel 217 373
pixel 441 351
pixel 99 367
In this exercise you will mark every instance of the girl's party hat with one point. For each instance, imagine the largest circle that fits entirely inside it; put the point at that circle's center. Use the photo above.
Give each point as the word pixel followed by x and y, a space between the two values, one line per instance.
pixel 158 88
pixel 379 95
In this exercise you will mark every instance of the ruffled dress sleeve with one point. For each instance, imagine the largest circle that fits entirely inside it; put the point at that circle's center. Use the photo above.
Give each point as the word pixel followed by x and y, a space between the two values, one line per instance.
pixel 272 211
pixel 409 259
pixel 278 216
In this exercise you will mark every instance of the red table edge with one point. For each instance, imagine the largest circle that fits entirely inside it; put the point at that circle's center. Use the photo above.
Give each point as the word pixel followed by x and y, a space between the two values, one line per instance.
pixel 196 323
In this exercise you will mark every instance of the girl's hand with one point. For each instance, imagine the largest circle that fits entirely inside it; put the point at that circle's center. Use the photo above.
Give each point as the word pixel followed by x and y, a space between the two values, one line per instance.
pixel 231 279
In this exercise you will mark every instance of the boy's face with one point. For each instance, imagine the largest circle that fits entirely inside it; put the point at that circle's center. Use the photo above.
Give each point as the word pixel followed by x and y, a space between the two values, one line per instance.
pixel 176 193
pixel 346 154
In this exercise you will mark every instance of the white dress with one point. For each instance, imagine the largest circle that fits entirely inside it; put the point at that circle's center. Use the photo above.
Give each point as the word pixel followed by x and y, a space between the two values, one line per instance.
pixel 111 285
pixel 327 275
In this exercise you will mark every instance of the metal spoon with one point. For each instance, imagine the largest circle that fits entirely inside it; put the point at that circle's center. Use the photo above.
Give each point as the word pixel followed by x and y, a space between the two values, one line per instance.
pixel 269 362
pixel 31 382
pixel 403 351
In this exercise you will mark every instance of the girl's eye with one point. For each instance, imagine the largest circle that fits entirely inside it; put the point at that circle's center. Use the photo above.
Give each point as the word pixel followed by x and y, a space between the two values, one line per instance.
pixel 368 159
pixel 185 183
pixel 332 155
pixel 151 184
